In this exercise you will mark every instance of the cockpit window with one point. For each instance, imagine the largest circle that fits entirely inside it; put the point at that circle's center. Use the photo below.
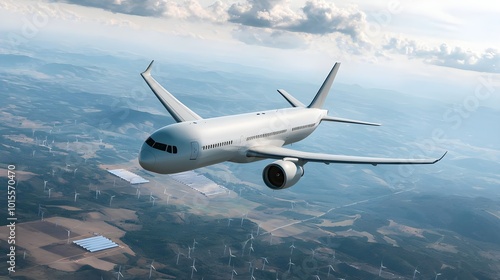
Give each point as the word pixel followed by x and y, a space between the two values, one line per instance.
pixel 160 146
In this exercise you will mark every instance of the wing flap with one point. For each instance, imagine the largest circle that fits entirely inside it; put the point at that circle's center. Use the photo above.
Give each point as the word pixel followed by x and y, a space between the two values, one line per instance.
pixel 179 111
pixel 280 153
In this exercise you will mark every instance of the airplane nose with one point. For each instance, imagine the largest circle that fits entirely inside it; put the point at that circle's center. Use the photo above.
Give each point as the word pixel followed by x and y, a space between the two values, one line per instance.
pixel 147 159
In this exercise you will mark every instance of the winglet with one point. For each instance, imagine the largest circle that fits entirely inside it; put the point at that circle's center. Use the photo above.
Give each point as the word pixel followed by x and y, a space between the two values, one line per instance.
pixel 323 91
pixel 441 157
pixel 148 70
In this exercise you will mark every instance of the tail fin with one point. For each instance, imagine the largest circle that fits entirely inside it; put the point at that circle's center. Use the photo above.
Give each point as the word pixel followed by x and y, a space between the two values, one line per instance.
pixel 323 91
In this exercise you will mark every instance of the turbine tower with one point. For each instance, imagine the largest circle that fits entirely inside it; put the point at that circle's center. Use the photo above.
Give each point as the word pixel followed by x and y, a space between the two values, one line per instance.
pixel 330 267
pixel 264 261
pixel 151 267
pixel 233 272
pixel 415 273
pixel 290 263
pixel 230 256
pixel 291 248
pixel 119 272
pixel 193 268
pixel 381 267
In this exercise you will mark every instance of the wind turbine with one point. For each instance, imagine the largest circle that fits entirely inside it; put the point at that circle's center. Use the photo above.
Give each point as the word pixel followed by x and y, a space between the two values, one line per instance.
pixel 49 191
pixel 264 261
pixel 233 272
pixel 69 233
pixel 97 192
pixel 258 228
pixel 437 274
pixel 290 263
pixel 111 200
pixel 225 248
pixel 193 268
pixel 251 276
pixel 250 249
pixel 381 267
pixel 74 172
pixel 189 252
pixel 415 273
pixel 271 239
pixel 33 154
pixel 194 243
pixel 119 272
pixel 317 277
pixel 330 267
pixel 138 193
pixel 168 198
pixel 250 265
pixel 242 218
pixel 178 254
pixel 44 184
pixel 76 195
pixel 229 222
pixel 291 248
pixel 230 256
pixel 151 267
pixel 154 199
pixel 42 215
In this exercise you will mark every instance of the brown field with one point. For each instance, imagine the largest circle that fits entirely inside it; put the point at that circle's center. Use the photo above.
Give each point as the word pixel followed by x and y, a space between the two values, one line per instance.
pixel 46 242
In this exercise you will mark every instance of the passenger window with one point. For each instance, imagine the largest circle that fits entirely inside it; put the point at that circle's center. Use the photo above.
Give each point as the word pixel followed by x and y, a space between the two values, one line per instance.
pixel 169 149
pixel 174 149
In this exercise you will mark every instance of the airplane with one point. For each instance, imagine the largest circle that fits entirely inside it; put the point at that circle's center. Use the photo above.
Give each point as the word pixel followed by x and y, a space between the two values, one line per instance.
pixel 193 142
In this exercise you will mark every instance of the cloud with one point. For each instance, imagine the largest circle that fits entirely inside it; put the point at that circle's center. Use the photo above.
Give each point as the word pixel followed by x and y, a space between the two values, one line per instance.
pixel 132 7
pixel 189 9
pixel 456 57
pixel 316 17
pixel 269 37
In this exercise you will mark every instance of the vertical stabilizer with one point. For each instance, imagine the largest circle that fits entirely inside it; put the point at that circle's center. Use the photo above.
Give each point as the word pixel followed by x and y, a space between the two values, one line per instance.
pixel 323 91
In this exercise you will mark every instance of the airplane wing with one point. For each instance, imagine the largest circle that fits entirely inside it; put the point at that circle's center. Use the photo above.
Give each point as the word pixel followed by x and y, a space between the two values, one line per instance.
pixel 179 111
pixel 281 153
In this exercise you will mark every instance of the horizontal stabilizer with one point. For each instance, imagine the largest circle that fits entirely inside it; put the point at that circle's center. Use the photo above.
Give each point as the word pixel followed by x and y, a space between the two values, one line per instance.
pixel 292 100
pixel 335 119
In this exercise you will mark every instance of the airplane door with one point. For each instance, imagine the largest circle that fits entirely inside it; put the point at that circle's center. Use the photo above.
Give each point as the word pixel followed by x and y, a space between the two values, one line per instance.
pixel 194 150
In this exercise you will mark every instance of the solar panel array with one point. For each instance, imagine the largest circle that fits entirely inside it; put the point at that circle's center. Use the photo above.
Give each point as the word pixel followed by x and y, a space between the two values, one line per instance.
pixel 128 176
pixel 96 243
pixel 199 182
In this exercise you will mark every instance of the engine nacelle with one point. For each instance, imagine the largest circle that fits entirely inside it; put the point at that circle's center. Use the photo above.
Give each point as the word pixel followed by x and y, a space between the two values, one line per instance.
pixel 282 174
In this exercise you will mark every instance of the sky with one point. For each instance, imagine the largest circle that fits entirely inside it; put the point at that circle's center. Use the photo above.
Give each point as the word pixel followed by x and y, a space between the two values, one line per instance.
pixel 428 47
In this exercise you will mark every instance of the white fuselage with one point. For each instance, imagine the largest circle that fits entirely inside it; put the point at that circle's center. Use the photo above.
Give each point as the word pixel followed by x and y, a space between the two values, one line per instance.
pixel 189 145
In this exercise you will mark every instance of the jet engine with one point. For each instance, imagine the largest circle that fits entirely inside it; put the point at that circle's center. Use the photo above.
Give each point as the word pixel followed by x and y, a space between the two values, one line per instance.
pixel 282 174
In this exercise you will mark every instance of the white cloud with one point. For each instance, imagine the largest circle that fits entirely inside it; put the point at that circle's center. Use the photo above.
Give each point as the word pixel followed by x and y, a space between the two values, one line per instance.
pixel 315 17
pixel 444 55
